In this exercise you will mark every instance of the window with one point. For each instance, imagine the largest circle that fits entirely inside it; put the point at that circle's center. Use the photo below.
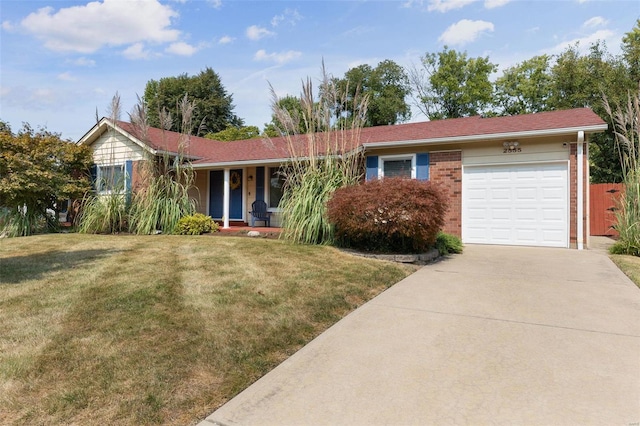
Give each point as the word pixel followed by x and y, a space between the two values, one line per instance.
pixel 276 184
pixel 110 178
pixel 398 166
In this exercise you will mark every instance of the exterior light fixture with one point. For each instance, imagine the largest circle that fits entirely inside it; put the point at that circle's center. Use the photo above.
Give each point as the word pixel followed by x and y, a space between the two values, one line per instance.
pixel 511 146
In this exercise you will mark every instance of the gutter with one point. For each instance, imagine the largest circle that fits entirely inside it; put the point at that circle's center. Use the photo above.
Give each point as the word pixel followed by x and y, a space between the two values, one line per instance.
pixel 474 138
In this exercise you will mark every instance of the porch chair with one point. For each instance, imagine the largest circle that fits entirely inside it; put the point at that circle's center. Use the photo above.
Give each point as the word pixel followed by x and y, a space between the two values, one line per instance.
pixel 259 212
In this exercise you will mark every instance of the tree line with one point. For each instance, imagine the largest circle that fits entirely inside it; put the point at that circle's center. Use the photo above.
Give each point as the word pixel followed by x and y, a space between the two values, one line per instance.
pixel 445 84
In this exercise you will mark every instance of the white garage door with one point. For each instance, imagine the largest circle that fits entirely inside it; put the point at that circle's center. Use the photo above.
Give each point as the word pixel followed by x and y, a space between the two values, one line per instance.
pixel 516 205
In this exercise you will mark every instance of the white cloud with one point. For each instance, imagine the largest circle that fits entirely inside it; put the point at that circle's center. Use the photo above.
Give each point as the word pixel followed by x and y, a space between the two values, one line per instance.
pixel 8 26
pixel 66 76
pixel 447 5
pixel 464 31
pixel 225 40
pixel 583 42
pixel 181 48
pixel 596 21
pixel 83 62
pixel 491 4
pixel 357 31
pixel 90 27
pixel 216 4
pixel 289 16
pixel 136 51
pixel 279 58
pixel 255 32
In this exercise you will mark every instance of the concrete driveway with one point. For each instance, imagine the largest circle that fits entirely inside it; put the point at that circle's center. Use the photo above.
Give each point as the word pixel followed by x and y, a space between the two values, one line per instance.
pixel 498 335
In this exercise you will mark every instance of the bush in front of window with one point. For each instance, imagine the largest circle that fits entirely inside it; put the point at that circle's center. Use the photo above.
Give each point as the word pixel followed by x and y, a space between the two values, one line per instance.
pixel 390 215
pixel 196 224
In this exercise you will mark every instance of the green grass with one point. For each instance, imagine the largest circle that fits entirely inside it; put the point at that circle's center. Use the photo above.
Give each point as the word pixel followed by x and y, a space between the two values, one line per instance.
pixel 160 329
pixel 628 264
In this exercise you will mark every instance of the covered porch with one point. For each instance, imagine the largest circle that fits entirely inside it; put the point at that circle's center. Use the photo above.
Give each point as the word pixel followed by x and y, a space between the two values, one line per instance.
pixel 226 193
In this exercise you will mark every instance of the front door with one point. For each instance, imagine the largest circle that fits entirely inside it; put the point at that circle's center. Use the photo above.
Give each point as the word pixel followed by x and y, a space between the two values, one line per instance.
pixel 216 194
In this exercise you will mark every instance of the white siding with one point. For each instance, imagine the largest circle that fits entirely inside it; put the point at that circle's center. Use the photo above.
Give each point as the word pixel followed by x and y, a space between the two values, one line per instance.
pixel 531 152
pixel 113 148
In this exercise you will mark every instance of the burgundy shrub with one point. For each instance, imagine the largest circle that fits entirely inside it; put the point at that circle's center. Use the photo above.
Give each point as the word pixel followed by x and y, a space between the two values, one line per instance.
pixel 388 215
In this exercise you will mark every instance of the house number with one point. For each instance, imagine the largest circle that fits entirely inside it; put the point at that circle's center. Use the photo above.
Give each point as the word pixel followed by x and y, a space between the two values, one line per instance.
pixel 511 150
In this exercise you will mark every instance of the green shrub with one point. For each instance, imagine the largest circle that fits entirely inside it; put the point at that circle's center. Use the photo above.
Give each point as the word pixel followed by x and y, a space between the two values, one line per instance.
pixel 389 215
pixel 103 214
pixel 196 224
pixel 448 244
pixel 627 130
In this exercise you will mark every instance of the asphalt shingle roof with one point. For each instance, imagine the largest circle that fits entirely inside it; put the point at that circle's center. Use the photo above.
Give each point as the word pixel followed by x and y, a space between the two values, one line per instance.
pixel 208 151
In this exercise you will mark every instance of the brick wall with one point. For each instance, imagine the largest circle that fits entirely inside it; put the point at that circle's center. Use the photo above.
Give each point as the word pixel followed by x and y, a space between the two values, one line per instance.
pixel 445 168
pixel 573 196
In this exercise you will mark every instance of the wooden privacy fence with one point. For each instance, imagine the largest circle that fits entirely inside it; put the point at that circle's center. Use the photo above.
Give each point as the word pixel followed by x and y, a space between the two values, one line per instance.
pixel 603 198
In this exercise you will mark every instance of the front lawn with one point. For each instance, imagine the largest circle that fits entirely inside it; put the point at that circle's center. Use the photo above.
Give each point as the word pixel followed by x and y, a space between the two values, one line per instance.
pixel 630 265
pixel 160 329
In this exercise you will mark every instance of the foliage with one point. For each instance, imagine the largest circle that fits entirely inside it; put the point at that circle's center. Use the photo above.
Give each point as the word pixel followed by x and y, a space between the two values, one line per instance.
pixel 626 119
pixel 581 81
pixel 388 215
pixel 448 244
pixel 631 51
pixel 524 88
pixel 196 224
pixel 214 106
pixel 38 171
pixel 164 198
pixel 103 214
pixel 386 86
pixel 450 85
pixel 317 168
pixel 296 125
pixel 106 213
pixel 232 133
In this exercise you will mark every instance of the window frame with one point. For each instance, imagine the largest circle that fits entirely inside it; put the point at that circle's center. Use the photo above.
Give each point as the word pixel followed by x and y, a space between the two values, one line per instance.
pixel 383 158
pixel 267 187
pixel 99 174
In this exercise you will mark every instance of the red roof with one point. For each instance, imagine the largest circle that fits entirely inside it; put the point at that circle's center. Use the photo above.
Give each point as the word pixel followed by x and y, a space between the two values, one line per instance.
pixel 209 151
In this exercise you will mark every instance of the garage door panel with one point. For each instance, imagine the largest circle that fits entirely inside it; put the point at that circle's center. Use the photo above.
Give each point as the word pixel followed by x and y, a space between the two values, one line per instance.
pixel 500 194
pixel 503 214
pixel 525 214
pixel 553 193
pixel 527 235
pixel 554 215
pixel 516 204
pixel 527 193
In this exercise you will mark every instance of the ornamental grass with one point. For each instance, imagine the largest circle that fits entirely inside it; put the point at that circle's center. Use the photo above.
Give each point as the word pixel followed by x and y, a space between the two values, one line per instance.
pixel 322 159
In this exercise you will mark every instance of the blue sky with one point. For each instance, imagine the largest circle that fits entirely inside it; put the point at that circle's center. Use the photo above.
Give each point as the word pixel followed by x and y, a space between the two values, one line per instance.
pixel 60 60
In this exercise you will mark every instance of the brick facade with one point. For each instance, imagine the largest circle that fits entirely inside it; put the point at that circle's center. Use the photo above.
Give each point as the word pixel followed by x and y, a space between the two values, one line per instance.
pixel 445 168
pixel 573 196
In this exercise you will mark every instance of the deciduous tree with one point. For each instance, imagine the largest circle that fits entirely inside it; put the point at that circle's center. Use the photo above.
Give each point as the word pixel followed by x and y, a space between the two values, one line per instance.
pixel 524 88
pixel 449 84
pixel 235 133
pixel 386 86
pixel 38 170
pixel 213 105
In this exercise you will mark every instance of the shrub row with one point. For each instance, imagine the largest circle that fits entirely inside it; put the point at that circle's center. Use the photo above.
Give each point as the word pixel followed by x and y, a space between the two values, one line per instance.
pixel 389 215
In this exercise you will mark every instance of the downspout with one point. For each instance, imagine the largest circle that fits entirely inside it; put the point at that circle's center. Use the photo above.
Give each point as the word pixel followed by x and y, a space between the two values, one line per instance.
pixel 580 195
pixel 588 192
pixel 225 200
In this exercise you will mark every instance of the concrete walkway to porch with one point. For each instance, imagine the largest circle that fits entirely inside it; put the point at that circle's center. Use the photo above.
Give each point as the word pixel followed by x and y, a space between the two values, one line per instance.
pixel 497 335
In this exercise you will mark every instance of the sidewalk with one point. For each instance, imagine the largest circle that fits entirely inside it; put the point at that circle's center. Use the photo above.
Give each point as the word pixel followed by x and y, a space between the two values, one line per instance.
pixel 498 335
